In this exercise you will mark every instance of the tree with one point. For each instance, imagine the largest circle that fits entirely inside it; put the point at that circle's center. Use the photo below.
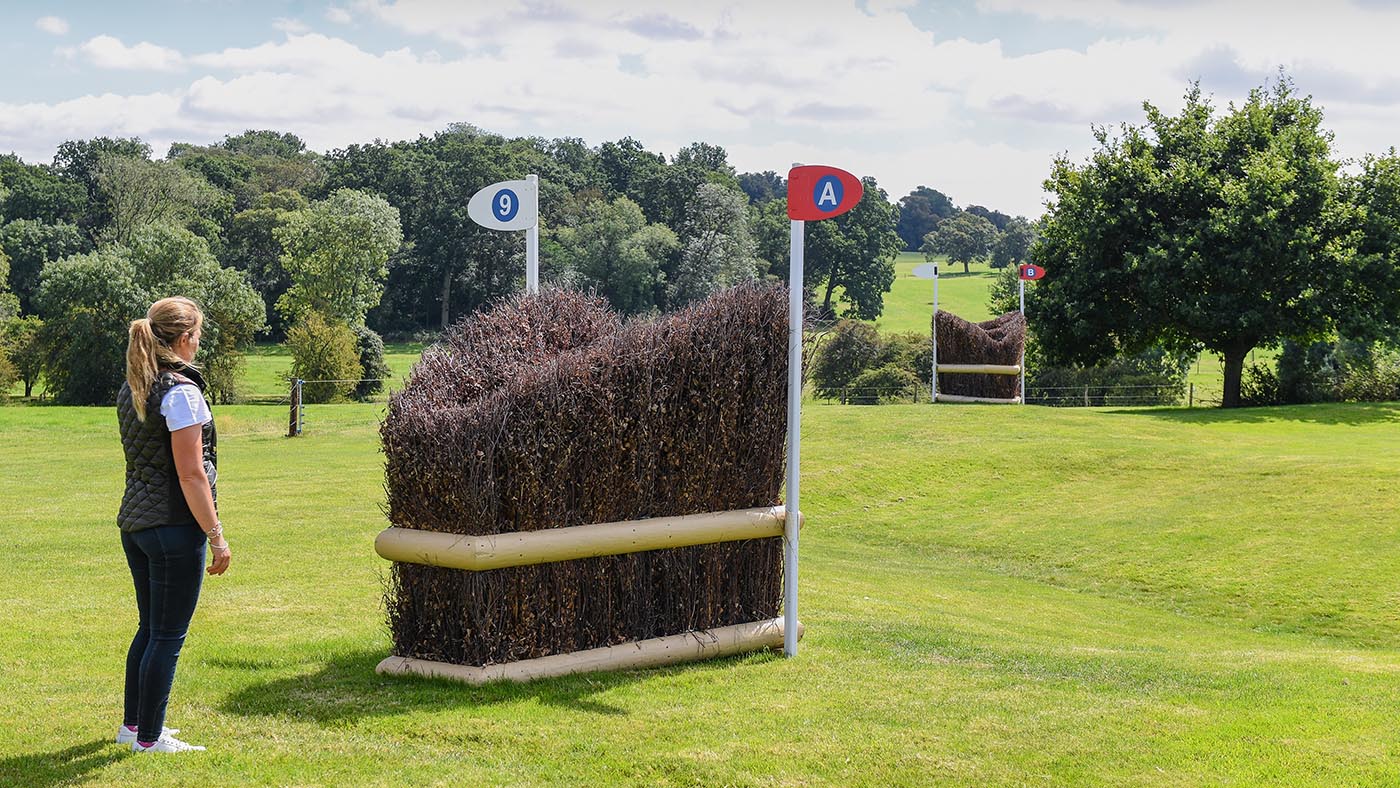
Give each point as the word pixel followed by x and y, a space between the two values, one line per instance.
pixel 335 252
pixel 79 160
pixel 855 252
pixel 252 246
pixel 716 247
pixel 763 187
pixel 171 260
pixel 139 192
pixel 1199 232
pixel 36 192
pixel 919 214
pixel 963 237
pixel 9 303
pixel 1370 301
pixel 998 219
pixel 613 250
pixel 1013 245
pixel 21 337
pixel 88 301
pixel 30 245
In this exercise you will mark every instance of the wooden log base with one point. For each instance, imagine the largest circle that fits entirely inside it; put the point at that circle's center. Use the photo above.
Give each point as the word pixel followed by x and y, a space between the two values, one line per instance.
pixel 655 652
pixel 957 398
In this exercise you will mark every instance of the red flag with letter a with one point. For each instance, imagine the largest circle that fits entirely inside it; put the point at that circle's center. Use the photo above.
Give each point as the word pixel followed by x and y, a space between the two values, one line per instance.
pixel 817 192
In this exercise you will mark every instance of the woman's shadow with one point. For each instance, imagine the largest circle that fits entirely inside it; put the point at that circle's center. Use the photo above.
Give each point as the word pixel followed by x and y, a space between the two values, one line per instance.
pixel 65 767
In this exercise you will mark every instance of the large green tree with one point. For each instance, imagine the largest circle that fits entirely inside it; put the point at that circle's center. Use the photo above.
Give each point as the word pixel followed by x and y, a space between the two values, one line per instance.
pixel 964 237
pixel 30 245
pixel 1013 244
pixel 1198 231
pixel 854 252
pixel 612 249
pixel 717 249
pixel 919 214
pixel 1370 305
pixel 334 252
pixel 89 300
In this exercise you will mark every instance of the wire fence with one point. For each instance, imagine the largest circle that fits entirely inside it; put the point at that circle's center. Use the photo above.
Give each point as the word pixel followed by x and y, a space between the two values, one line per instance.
pixel 1088 396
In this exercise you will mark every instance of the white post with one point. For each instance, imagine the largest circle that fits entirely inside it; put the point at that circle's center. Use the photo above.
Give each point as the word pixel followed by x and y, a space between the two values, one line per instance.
pixel 1023 342
pixel 933 374
pixel 532 245
pixel 791 526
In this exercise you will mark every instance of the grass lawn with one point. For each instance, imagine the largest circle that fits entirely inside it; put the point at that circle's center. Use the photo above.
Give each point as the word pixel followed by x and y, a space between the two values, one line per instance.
pixel 1004 596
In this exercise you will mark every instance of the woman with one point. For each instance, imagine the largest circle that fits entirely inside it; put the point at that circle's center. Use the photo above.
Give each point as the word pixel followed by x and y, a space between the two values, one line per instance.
pixel 168 510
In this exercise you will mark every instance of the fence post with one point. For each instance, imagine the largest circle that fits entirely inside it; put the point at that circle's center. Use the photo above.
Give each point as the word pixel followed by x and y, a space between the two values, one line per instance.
pixel 1086 395
pixel 294 419
pixel 1191 398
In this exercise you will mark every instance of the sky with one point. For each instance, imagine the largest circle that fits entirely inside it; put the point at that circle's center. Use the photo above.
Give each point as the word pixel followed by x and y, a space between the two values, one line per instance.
pixel 974 98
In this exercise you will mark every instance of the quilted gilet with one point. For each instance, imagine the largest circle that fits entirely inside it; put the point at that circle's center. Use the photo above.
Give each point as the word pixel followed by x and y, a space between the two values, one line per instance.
pixel 153 496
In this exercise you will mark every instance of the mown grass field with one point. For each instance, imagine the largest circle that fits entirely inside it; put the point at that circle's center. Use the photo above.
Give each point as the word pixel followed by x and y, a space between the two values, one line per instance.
pixel 993 596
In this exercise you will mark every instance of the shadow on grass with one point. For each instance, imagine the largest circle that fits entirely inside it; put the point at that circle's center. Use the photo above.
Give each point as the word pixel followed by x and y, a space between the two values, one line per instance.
pixel 346 689
pixel 65 767
pixel 1350 413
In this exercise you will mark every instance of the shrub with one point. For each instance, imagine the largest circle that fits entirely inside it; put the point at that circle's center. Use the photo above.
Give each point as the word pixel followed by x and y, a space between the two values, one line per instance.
pixel 908 351
pixel 370 347
pixel 323 350
pixel 853 347
pixel 890 383
pixel 1152 377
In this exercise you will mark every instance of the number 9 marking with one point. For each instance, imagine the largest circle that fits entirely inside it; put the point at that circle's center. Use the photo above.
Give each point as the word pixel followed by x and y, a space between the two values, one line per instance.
pixel 505 206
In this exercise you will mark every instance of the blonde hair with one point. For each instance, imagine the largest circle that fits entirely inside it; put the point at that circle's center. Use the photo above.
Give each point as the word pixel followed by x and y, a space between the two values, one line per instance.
pixel 150 343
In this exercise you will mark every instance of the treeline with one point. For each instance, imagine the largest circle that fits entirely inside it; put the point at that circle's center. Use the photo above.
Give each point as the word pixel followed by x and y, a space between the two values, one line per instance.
pixel 333 250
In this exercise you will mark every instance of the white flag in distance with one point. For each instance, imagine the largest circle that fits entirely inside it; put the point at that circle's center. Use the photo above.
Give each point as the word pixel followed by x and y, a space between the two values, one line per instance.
pixel 508 205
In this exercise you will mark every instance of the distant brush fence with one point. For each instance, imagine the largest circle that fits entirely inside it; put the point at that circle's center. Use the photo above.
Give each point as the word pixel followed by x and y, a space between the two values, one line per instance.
pixel 560 484
pixel 978 362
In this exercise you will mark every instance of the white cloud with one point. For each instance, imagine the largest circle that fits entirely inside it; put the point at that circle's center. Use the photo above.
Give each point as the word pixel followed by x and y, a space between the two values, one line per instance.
pixel 289 25
pixel 856 85
pixel 108 52
pixel 54 25
pixel 338 15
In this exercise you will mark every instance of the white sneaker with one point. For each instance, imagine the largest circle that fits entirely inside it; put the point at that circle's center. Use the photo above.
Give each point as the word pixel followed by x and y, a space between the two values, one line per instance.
pixel 166 744
pixel 126 736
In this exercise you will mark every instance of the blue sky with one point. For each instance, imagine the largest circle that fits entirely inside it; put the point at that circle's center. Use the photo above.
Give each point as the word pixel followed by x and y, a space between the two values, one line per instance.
pixel 973 97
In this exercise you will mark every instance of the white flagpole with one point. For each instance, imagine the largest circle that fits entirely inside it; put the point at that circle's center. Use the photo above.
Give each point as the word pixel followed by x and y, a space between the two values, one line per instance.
pixel 532 244
pixel 792 523
pixel 1023 341
pixel 933 373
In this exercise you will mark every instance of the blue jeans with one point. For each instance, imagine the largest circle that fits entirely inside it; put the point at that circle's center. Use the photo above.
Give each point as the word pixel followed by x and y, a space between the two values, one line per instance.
pixel 167 566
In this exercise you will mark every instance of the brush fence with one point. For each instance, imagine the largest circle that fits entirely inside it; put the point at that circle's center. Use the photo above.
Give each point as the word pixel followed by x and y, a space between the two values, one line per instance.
pixel 571 493
pixel 979 362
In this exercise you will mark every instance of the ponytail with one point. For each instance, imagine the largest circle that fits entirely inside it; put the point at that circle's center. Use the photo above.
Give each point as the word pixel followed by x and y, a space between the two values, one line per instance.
pixel 141 365
pixel 148 345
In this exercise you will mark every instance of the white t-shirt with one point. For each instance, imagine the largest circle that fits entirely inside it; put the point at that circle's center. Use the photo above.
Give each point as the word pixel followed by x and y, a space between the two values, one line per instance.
pixel 184 406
